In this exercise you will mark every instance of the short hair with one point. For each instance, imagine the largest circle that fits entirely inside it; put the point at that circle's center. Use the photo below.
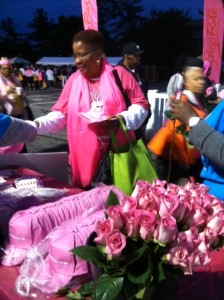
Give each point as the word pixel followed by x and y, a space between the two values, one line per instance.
pixel 91 37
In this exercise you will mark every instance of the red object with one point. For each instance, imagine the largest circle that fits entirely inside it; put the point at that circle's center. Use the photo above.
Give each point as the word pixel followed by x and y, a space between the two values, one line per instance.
pixel 213 29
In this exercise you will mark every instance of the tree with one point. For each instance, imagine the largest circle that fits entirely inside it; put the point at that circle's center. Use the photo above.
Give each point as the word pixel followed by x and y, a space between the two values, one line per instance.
pixel 10 39
pixel 62 34
pixel 8 26
pixel 118 20
pixel 165 35
pixel 41 31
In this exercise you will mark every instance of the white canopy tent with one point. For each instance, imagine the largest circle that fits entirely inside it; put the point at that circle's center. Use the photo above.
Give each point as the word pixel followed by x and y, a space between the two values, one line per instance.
pixel 59 61
pixel 19 61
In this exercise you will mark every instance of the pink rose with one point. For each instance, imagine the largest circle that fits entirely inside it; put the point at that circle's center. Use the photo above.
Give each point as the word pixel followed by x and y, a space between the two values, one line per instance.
pixel 115 243
pixel 146 199
pixel 140 185
pixel 103 228
pixel 213 205
pixel 172 189
pixel 210 236
pixel 200 259
pixel 147 221
pixel 166 231
pixel 132 223
pixel 200 256
pixel 216 222
pixel 189 239
pixel 197 216
pixel 182 210
pixel 115 212
pixel 159 183
pixel 168 204
pixel 179 256
pixel 128 203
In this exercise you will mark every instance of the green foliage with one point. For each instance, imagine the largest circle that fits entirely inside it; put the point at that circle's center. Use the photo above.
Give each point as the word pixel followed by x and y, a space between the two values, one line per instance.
pixel 108 288
pixel 90 254
pixel 112 199
pixel 132 272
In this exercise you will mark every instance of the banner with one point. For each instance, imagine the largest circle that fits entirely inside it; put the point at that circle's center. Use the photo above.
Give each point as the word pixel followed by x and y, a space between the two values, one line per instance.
pixel 213 30
pixel 89 14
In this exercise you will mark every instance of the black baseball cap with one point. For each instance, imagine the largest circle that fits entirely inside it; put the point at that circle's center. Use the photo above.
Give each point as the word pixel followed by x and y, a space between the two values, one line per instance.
pixel 193 62
pixel 132 48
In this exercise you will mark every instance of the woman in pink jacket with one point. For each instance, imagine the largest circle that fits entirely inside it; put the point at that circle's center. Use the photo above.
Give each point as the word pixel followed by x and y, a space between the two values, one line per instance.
pixel 92 92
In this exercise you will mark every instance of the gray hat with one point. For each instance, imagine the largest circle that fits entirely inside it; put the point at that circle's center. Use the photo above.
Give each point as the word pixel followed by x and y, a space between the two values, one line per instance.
pixel 132 48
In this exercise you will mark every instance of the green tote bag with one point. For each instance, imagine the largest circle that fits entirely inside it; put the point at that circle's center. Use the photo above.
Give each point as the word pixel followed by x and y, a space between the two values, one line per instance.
pixel 130 163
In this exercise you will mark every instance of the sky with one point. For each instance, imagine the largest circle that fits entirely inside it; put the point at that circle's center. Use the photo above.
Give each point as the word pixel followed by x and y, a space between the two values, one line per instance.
pixel 22 10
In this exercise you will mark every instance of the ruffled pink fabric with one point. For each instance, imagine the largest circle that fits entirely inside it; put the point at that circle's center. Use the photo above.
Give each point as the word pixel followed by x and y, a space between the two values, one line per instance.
pixel 29 227
pixel 50 265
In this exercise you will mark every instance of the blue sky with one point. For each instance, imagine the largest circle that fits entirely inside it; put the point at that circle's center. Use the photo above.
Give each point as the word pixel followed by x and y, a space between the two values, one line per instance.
pixel 22 10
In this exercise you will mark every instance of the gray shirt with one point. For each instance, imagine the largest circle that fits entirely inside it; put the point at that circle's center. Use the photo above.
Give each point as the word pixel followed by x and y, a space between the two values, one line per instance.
pixel 208 141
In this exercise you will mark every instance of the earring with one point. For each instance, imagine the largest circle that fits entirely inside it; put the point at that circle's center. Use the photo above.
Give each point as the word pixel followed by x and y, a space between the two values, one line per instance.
pixel 98 61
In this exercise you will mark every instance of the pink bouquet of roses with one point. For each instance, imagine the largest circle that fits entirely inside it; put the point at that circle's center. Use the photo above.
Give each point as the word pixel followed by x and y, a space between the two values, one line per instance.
pixel 160 229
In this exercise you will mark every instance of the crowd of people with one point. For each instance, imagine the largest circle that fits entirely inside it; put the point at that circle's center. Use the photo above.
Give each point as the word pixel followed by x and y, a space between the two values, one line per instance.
pixel 33 77
pixel 91 87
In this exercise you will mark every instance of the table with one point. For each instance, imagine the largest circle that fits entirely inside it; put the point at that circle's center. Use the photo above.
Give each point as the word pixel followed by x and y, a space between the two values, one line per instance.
pixel 207 283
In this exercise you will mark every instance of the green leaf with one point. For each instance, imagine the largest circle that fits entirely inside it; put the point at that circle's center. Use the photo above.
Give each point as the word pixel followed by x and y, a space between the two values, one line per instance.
pixel 139 274
pixel 135 255
pixel 112 199
pixel 67 293
pixel 87 288
pixel 149 291
pixel 74 296
pixel 90 254
pixel 139 270
pixel 161 272
pixel 108 288
pixel 129 289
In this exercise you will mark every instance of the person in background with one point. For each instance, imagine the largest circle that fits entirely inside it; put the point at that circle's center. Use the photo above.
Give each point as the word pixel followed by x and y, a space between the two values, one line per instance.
pixel 64 75
pixel 208 137
pixel 29 77
pixel 40 78
pixel 11 99
pixel 176 82
pixel 174 159
pixel 92 90
pixel 131 62
pixel 50 77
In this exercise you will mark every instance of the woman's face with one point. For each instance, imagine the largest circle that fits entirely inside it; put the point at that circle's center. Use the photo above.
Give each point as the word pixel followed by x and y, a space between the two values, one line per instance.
pixel 6 70
pixel 194 80
pixel 87 59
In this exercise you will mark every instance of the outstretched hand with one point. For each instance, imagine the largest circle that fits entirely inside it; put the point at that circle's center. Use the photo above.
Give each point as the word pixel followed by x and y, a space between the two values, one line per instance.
pixel 182 111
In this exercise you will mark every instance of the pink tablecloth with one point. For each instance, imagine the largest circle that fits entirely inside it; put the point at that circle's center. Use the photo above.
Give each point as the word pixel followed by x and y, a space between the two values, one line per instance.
pixel 206 284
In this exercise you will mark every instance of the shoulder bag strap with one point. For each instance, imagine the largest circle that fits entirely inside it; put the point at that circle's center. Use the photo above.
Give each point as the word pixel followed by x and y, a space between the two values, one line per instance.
pixel 119 84
pixel 138 132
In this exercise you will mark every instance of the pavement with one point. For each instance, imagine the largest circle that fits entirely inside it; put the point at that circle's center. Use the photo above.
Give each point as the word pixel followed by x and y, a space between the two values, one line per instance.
pixel 40 102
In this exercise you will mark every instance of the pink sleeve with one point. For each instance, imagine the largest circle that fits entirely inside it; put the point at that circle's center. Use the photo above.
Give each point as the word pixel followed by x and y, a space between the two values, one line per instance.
pixel 62 103
pixel 132 88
